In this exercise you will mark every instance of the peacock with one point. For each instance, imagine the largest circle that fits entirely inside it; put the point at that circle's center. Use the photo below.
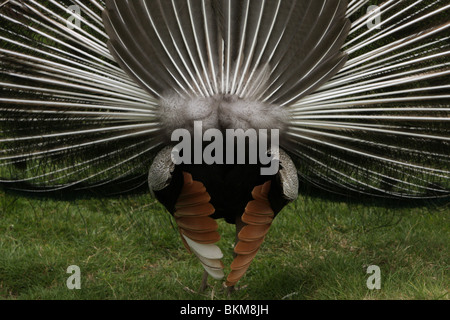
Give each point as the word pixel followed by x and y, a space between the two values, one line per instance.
pixel 351 98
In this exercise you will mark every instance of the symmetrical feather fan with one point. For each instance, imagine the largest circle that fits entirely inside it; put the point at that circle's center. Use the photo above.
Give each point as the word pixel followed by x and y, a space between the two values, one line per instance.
pixel 363 110
pixel 380 126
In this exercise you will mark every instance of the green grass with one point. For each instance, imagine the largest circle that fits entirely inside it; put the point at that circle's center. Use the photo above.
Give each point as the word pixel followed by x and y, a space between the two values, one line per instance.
pixel 128 249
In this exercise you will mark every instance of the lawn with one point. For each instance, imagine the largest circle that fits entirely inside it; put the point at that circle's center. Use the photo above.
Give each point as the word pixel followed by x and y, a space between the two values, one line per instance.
pixel 128 249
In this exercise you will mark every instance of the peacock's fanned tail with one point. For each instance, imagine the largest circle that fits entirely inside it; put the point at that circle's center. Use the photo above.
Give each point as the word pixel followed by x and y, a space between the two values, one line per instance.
pixel 363 110
pixel 69 116
pixel 381 126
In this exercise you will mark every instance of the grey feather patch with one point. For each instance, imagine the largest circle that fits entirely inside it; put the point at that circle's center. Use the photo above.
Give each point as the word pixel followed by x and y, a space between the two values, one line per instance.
pixel 219 112
pixel 161 171
pixel 235 113
pixel 288 176
pixel 178 112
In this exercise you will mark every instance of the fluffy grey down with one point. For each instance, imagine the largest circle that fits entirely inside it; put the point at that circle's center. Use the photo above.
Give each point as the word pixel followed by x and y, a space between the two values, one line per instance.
pixel 219 112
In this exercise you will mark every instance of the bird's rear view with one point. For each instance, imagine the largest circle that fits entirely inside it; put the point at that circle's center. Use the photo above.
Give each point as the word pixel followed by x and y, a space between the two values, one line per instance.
pixel 199 99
